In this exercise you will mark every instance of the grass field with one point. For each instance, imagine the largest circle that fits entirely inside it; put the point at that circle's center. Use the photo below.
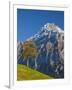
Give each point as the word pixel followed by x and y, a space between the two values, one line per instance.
pixel 26 73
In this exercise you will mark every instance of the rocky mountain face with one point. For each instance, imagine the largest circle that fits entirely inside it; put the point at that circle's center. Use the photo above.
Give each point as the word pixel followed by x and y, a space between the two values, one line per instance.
pixel 50 46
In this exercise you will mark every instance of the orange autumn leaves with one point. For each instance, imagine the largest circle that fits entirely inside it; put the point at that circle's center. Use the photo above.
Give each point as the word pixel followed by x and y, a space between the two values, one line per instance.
pixel 29 49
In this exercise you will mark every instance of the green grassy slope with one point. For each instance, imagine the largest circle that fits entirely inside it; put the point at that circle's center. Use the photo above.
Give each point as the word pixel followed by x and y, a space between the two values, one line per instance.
pixel 25 73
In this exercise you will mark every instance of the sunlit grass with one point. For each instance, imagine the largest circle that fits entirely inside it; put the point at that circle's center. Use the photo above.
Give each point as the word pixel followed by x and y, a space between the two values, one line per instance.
pixel 26 73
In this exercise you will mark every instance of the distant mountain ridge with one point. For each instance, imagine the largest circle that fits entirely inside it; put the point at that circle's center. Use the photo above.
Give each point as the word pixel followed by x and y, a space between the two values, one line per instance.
pixel 49 27
pixel 48 31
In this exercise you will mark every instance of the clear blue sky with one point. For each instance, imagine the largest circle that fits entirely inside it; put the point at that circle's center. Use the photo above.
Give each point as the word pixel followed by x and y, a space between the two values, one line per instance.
pixel 29 22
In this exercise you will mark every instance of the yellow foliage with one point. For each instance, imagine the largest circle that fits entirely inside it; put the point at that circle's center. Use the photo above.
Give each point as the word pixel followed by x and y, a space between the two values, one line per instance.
pixel 30 49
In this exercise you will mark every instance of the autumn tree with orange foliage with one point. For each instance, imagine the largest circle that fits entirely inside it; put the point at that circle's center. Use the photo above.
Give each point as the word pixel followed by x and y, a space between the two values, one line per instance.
pixel 30 51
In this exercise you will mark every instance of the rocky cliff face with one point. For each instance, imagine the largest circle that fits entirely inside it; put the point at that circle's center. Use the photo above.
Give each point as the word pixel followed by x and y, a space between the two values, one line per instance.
pixel 50 45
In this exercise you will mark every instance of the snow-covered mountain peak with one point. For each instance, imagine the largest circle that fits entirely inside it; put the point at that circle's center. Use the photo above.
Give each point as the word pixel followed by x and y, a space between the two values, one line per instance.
pixel 53 27
pixel 49 26
pixel 45 30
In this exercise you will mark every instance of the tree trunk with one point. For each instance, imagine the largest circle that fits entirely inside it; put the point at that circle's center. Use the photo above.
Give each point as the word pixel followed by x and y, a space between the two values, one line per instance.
pixel 28 62
pixel 47 56
pixel 35 63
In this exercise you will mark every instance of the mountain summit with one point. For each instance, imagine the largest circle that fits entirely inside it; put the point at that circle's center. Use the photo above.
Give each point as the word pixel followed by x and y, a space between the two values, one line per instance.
pixel 46 30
